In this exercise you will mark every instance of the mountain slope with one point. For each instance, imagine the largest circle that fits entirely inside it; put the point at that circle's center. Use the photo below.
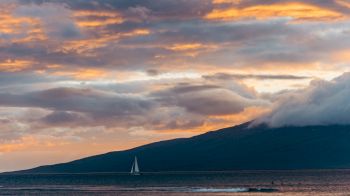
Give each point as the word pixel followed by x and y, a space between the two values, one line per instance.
pixel 234 148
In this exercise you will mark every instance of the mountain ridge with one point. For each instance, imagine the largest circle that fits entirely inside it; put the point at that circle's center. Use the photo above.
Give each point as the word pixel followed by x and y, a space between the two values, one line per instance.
pixel 241 147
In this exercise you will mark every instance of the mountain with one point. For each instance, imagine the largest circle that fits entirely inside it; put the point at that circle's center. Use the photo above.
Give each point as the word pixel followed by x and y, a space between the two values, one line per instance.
pixel 236 148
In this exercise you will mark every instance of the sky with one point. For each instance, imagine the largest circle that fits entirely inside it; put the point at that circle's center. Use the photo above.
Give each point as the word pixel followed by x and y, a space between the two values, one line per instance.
pixel 83 77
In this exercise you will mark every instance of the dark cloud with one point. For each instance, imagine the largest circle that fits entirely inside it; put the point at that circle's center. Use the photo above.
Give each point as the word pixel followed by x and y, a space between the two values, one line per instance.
pixel 88 101
pixel 59 118
pixel 190 88
pixel 41 56
pixel 158 9
pixel 206 99
pixel 55 18
pixel 138 13
pixel 225 76
pixel 20 78
pixel 194 31
pixel 152 72
pixel 183 106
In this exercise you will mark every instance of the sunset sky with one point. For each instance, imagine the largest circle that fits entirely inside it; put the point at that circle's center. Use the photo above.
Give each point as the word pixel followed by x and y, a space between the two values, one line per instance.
pixel 83 77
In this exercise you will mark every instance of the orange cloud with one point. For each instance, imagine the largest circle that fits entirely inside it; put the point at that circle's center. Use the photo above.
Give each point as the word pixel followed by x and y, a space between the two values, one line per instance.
pixel 218 122
pixel 95 23
pixel 14 65
pixel 183 47
pixel 89 19
pixel 29 143
pixel 226 1
pixel 86 45
pixel 190 49
pixel 136 32
pixel 11 24
pixel 295 10
pixel 89 13
pixel 19 145
pixel 343 3
pixel 248 114
pixel 33 35
pixel 341 56
pixel 83 74
pixel 20 29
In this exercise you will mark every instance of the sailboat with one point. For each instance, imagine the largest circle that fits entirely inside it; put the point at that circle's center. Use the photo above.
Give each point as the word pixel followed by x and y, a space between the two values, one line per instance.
pixel 135 168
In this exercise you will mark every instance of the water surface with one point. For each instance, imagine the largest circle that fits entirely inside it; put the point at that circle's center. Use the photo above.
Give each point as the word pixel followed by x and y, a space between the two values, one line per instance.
pixel 326 182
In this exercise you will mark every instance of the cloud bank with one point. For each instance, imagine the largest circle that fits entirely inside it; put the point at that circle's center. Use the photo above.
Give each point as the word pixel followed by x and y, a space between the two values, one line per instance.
pixel 322 103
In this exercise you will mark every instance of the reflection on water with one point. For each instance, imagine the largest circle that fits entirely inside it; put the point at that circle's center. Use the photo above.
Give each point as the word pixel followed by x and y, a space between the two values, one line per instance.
pixel 331 182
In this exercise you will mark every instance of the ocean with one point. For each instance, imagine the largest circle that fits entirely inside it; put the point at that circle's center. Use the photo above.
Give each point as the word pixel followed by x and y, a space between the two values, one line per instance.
pixel 313 182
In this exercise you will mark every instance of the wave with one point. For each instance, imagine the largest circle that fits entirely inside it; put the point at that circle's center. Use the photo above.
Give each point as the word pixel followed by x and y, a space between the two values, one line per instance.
pixel 135 189
pixel 220 190
pixel 233 190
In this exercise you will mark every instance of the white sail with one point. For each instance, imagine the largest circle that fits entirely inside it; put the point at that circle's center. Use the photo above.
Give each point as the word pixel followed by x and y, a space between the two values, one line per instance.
pixel 135 168
pixel 132 168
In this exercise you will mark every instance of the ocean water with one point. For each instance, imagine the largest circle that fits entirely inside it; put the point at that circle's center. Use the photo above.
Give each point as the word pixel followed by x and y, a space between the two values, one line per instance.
pixel 325 182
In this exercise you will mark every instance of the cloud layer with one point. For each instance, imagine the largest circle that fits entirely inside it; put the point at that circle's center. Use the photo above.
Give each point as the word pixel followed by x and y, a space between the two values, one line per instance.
pixel 322 103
